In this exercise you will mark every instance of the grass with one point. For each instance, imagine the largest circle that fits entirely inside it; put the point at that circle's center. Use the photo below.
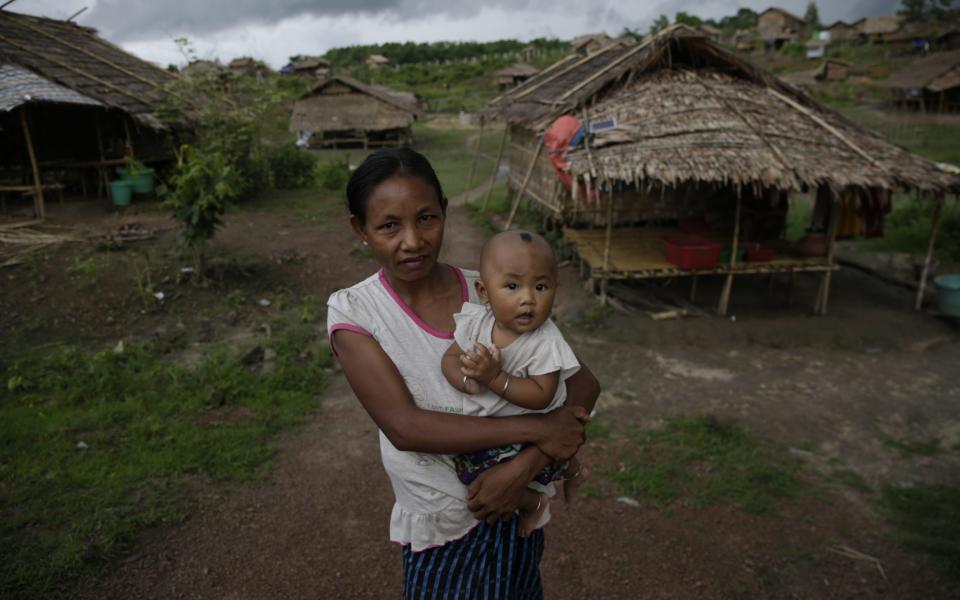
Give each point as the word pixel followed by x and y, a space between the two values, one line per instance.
pixel 702 461
pixel 98 446
pixel 909 448
pixel 927 518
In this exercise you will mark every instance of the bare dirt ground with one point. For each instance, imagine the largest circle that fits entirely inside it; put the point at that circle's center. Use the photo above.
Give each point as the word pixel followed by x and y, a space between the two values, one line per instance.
pixel 832 388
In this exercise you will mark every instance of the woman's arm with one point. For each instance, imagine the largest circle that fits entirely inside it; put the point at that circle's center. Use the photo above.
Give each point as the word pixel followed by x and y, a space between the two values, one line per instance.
pixel 381 390
pixel 496 493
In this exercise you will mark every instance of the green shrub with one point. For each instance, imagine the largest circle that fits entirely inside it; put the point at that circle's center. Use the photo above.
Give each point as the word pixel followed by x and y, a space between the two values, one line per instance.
pixel 291 167
pixel 332 176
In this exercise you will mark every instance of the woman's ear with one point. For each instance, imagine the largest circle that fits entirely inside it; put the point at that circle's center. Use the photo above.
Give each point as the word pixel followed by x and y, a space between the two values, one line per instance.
pixel 358 229
pixel 481 290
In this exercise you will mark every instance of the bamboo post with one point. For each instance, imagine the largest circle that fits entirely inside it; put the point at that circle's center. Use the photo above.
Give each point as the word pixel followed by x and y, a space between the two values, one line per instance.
pixel 38 207
pixel 496 168
pixel 476 156
pixel 824 294
pixel 937 216
pixel 606 246
pixel 523 186
pixel 102 183
pixel 728 283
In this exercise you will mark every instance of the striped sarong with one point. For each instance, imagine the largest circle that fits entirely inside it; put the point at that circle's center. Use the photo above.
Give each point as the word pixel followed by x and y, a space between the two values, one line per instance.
pixel 492 562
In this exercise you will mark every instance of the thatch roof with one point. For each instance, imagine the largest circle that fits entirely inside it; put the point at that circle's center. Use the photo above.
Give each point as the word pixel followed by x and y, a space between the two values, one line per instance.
pixel 884 24
pixel 19 86
pixel 687 110
pixel 378 59
pixel 601 39
pixel 386 108
pixel 783 12
pixel 937 72
pixel 310 63
pixel 517 70
pixel 77 58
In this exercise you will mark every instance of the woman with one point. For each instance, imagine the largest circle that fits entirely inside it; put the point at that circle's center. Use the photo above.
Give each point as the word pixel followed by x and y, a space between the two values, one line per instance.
pixel 389 333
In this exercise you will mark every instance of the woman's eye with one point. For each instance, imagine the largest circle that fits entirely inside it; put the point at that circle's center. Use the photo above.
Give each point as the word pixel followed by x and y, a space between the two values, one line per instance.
pixel 426 218
pixel 389 225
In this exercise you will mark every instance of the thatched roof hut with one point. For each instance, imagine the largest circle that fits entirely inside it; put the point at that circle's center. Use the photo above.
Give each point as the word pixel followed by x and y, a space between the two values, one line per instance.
pixel 79 101
pixel 931 82
pixel 841 31
pixel 342 110
pixel 878 29
pixel 375 61
pixel 591 42
pixel 678 120
pixel 513 75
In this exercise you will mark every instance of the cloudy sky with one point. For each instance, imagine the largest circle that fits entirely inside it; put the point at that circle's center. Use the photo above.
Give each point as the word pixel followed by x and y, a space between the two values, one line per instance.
pixel 273 30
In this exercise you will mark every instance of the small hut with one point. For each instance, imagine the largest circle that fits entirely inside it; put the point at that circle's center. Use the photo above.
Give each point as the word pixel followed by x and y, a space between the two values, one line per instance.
pixel 308 67
pixel 72 104
pixel 247 66
pixel 877 30
pixel 375 61
pixel 342 112
pixel 931 83
pixel 778 27
pixel 513 75
pixel 678 130
pixel 833 69
pixel 841 31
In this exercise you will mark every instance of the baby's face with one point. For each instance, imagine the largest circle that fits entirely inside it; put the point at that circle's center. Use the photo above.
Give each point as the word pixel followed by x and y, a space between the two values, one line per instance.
pixel 519 280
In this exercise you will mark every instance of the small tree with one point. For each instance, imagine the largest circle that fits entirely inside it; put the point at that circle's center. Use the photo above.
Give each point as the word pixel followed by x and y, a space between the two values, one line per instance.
pixel 662 22
pixel 687 19
pixel 812 17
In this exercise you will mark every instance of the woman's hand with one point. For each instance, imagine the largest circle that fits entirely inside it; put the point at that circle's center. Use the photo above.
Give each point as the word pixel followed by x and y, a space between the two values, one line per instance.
pixel 497 492
pixel 563 432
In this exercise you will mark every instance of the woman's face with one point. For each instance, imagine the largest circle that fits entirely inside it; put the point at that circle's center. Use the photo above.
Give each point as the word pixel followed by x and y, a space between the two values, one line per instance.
pixel 404 227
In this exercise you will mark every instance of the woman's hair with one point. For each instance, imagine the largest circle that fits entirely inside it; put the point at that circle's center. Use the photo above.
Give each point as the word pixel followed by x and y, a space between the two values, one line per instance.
pixel 381 166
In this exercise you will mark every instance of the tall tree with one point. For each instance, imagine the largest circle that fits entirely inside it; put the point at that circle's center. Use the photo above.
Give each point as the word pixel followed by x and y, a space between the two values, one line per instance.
pixel 662 22
pixel 812 16
pixel 920 10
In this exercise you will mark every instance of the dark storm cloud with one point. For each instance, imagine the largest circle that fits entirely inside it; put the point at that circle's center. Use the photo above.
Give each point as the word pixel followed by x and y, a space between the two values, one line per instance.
pixel 126 20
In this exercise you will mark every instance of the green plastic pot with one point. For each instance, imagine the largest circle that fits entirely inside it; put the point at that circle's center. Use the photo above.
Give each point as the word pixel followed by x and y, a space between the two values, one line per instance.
pixel 120 191
pixel 142 181
pixel 948 294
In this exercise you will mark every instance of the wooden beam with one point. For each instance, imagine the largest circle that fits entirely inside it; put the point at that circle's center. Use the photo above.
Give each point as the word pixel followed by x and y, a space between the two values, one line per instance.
pixel 937 217
pixel 728 283
pixel 496 168
pixel 824 293
pixel 606 246
pixel 38 207
pixel 476 155
pixel 523 187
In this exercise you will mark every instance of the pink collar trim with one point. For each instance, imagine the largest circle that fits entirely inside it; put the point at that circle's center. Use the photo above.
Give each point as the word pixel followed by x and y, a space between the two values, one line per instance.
pixel 446 335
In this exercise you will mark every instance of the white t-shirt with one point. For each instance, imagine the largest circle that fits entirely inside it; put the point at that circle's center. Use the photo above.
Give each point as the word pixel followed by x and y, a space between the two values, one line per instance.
pixel 536 352
pixel 430 508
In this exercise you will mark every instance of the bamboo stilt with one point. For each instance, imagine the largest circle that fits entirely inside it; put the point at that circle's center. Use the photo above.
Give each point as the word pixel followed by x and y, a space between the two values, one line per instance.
pixel 38 207
pixel 476 156
pixel 606 246
pixel 496 168
pixel 937 216
pixel 824 293
pixel 728 283
pixel 523 186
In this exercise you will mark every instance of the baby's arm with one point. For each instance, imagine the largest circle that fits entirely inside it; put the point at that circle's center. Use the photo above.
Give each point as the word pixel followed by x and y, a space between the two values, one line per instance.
pixel 450 365
pixel 534 392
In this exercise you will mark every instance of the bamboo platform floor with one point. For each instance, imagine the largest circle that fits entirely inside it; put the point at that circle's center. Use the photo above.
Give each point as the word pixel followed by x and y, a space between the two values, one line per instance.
pixel 637 253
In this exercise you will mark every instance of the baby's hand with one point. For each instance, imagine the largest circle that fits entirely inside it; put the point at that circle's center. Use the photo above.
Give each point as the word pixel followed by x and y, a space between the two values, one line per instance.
pixel 482 364
pixel 471 386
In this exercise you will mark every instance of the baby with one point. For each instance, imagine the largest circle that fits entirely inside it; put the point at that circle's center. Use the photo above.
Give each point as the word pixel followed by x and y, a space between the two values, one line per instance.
pixel 509 357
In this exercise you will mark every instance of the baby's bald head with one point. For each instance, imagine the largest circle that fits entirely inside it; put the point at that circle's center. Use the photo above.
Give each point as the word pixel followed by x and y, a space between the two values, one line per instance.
pixel 511 243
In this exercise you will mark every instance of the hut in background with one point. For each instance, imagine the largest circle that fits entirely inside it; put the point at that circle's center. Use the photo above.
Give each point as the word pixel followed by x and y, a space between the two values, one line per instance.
pixel 72 104
pixel 342 112
pixel 841 31
pixel 513 75
pixel 678 129
pixel 250 67
pixel 833 69
pixel 931 83
pixel 375 61
pixel 778 27
pixel 877 30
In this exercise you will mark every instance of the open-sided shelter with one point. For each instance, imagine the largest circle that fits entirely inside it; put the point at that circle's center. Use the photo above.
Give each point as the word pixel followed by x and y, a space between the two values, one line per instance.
pixel 70 102
pixel 777 27
pixel 680 129
pixel 931 83
pixel 513 75
pixel 342 111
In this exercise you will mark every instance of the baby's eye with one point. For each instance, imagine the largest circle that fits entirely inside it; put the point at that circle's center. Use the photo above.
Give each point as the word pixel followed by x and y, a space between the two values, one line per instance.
pixel 511 286
pixel 541 287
